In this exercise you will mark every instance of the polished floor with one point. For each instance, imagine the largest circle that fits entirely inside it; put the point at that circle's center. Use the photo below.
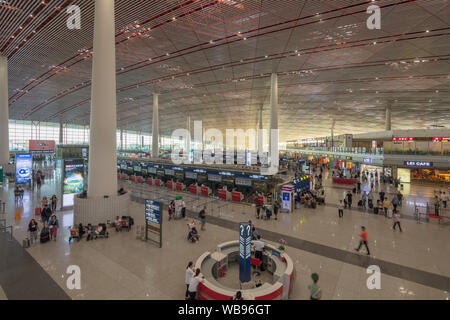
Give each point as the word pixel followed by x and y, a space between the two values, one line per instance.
pixel 414 264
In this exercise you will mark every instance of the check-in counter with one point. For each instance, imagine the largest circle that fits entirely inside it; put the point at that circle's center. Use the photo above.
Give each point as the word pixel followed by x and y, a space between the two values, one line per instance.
pixel 124 176
pixel 279 264
pixel 180 186
pixel 133 178
pixel 237 196
pixel 158 182
pixel 195 189
pixel 205 191
pixel 150 181
pixel 140 179
pixel 170 185
pixel 224 194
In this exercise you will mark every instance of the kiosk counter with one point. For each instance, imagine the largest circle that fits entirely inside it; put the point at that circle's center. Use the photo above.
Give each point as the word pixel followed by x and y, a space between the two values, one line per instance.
pixel 279 264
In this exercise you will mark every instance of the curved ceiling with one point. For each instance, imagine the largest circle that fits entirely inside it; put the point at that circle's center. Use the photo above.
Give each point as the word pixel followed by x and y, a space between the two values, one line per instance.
pixel 212 60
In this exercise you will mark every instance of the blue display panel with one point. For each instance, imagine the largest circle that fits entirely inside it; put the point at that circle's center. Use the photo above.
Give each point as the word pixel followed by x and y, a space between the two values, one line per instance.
pixel 152 211
pixel 245 238
pixel 24 165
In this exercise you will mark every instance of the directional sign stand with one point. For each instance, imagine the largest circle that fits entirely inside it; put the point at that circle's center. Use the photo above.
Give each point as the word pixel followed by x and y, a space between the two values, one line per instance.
pixel 245 238
pixel 153 222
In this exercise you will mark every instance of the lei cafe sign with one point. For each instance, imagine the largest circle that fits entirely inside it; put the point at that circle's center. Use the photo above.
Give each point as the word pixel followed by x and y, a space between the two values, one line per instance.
pixel 420 164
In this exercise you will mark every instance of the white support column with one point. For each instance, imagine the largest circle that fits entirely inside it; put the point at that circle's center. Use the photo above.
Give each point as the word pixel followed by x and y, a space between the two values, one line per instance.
pixel 388 117
pixel 4 112
pixel 188 140
pixel 121 139
pixel 103 149
pixel 61 130
pixel 155 127
pixel 260 131
pixel 273 118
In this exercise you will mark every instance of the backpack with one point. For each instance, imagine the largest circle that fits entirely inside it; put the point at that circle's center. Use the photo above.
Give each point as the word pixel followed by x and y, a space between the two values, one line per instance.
pixel 200 214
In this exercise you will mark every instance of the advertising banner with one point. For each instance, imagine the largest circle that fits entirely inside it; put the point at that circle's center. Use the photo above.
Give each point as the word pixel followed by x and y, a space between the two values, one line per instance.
pixel 245 238
pixel 41 146
pixel 73 180
pixel 286 201
pixel 24 165
pixel 153 222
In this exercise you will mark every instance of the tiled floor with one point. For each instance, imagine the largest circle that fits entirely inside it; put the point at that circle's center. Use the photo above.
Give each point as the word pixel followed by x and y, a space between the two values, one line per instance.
pixel 123 267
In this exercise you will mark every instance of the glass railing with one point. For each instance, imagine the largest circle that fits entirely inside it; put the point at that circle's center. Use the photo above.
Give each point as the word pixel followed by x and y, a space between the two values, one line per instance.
pixel 426 148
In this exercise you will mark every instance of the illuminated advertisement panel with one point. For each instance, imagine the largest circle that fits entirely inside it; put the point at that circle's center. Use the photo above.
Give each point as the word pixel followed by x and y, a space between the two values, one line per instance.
pixel 24 165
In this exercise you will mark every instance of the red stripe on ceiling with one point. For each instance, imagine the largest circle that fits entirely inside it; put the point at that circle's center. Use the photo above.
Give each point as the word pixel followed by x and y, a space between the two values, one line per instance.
pixel 23 92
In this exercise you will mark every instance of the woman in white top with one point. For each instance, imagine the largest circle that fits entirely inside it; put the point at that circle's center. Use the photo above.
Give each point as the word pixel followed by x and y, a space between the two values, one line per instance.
pixel 189 275
pixel 195 281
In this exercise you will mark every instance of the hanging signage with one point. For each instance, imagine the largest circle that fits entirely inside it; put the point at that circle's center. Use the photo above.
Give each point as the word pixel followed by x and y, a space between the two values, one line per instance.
pixel 137 169
pixel 214 177
pixel 169 172
pixel 348 158
pixel 419 164
pixel 368 160
pixel 191 175
pixel 24 165
pixel 243 182
pixel 151 170
pixel 403 139
pixel 41 146
pixel 153 222
pixel 73 180
pixel 245 238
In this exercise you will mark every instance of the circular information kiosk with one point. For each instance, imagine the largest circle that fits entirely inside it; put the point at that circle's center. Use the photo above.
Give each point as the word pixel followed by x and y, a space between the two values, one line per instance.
pixel 221 271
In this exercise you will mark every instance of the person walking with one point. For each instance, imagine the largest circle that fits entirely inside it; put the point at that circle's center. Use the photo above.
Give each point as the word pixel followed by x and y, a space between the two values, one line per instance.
pixel 46 213
pixel 436 205
pixel 386 204
pixel 314 289
pixel 275 210
pixel 341 209
pixel 33 229
pixel 349 199
pixel 363 240
pixel 190 273
pixel 394 204
pixel 53 225
pixel 54 201
pixel 444 200
pixel 202 216
pixel 396 218
pixel 193 285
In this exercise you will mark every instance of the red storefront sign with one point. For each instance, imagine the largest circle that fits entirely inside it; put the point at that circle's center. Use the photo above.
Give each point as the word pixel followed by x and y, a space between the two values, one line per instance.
pixel 41 146
pixel 179 186
pixel 169 185
pixel 438 139
pixel 193 189
pixel 149 181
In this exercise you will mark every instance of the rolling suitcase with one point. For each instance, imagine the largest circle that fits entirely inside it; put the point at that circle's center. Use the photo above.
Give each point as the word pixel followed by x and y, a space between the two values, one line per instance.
pixel 37 211
pixel 375 210
pixel 26 243
pixel 360 203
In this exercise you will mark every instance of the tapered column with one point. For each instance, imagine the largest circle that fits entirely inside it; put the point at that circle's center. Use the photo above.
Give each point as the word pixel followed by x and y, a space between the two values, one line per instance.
pixel 4 112
pixel 273 142
pixel 388 118
pixel 188 140
pixel 61 130
pixel 155 127
pixel 260 131
pixel 103 149
pixel 121 139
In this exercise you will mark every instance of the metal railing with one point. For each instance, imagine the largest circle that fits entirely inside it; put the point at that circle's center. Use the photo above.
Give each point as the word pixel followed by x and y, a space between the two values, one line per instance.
pixel 5 229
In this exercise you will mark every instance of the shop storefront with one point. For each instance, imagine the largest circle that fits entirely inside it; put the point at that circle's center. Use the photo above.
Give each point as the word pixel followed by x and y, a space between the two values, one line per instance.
pixel 431 175
pixel 404 175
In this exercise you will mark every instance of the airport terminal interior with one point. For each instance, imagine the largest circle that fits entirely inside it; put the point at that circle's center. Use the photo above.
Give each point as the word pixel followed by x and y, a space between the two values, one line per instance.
pixel 224 149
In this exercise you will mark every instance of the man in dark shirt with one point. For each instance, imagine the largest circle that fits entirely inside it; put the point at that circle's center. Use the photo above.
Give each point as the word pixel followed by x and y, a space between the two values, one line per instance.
pixel 46 213
pixel 349 199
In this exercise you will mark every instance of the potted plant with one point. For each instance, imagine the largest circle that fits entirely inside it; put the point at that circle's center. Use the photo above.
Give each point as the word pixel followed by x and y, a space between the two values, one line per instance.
pixel 282 246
